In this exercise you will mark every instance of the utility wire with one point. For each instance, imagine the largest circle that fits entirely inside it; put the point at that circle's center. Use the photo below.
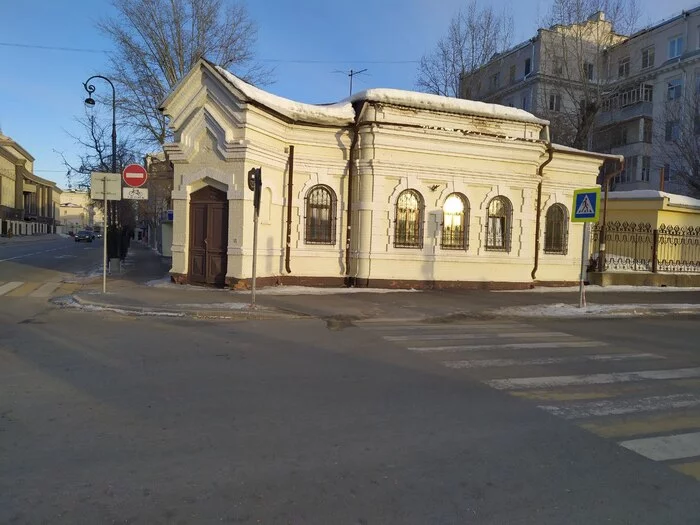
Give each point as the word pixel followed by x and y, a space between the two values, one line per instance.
pixel 271 60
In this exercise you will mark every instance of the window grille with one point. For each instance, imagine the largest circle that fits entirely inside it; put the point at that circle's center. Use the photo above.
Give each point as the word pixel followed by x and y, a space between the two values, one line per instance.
pixel 455 223
pixel 556 230
pixel 320 216
pixel 498 225
pixel 408 224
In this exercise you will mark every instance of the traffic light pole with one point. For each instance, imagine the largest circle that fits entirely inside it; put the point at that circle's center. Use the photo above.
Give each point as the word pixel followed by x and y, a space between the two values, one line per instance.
pixel 255 184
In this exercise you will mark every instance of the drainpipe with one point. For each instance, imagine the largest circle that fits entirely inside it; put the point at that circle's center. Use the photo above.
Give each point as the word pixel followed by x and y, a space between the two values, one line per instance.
pixel 351 173
pixel 538 218
pixel 288 248
pixel 601 238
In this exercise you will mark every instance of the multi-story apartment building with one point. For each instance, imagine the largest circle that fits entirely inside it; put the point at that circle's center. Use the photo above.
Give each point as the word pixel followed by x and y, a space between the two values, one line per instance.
pixel 640 94
pixel 650 111
pixel 78 211
pixel 553 75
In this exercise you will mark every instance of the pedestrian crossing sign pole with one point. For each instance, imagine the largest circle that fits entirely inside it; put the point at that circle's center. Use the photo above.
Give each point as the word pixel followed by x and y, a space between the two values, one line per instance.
pixel 585 209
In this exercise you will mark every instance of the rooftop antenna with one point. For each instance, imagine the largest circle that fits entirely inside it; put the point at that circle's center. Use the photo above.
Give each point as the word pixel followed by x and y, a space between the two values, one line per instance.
pixel 351 74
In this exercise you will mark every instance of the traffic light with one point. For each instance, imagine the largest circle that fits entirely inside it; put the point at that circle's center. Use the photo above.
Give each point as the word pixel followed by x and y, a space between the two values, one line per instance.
pixel 255 184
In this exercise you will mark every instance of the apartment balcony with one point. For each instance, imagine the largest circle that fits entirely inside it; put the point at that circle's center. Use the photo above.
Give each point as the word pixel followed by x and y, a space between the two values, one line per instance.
pixel 633 111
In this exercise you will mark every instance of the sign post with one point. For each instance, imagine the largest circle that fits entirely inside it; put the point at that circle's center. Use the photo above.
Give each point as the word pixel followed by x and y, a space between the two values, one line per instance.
pixel 255 184
pixel 105 186
pixel 585 209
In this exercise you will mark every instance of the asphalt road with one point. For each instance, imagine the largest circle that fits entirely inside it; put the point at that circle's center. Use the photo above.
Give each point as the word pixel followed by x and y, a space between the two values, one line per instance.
pixel 55 258
pixel 112 419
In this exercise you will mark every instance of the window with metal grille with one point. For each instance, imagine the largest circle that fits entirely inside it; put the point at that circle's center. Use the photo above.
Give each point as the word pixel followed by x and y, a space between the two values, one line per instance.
pixel 455 223
pixel 408 224
pixel 556 229
pixel 498 224
pixel 320 216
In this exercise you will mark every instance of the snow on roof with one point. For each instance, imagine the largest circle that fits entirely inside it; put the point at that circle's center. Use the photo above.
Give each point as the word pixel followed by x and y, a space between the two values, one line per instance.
pixel 343 113
pixel 567 149
pixel 415 99
pixel 340 113
pixel 678 200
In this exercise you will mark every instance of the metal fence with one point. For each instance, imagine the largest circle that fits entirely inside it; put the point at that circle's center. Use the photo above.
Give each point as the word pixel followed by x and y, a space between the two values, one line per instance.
pixel 637 247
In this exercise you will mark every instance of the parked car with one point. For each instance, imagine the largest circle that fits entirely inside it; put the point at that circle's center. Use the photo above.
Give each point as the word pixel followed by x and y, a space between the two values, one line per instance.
pixel 83 236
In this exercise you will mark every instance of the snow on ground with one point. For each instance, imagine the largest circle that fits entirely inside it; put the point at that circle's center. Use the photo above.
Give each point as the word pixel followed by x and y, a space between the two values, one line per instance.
pixel 308 290
pixel 596 310
pixel 166 282
pixel 222 306
pixel 596 288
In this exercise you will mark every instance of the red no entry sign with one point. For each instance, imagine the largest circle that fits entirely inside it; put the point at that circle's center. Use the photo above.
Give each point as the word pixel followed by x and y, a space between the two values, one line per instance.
pixel 135 175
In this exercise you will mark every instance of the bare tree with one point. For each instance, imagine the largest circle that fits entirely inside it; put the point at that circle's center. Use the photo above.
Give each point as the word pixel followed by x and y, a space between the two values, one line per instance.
pixel 677 142
pixel 158 41
pixel 95 141
pixel 573 64
pixel 475 34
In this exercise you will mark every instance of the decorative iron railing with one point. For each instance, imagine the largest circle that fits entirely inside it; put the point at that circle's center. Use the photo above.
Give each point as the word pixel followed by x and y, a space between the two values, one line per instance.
pixel 637 247
pixel 678 249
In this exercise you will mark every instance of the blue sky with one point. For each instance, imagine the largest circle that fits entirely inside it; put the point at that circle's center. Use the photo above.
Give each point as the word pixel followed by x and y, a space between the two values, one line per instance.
pixel 41 90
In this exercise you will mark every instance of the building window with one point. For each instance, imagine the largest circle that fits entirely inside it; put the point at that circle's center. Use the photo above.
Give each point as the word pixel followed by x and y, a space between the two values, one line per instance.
pixel 667 173
pixel 526 103
pixel 556 229
pixel 673 130
pixel 498 225
pixel 646 168
pixel 675 47
pixel 528 66
pixel 455 223
pixel 320 216
pixel 408 225
pixel 647 132
pixel 588 70
pixel 648 57
pixel 496 81
pixel 511 74
pixel 630 169
pixel 555 102
pixel 558 69
pixel 696 124
pixel 675 88
pixel 623 67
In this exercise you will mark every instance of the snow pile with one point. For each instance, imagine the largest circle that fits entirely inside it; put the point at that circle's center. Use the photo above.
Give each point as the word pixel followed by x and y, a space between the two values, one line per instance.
pixel 596 310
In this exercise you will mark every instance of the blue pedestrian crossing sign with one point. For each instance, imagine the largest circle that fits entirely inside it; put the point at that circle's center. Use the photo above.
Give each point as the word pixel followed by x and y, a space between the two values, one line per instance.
pixel 586 206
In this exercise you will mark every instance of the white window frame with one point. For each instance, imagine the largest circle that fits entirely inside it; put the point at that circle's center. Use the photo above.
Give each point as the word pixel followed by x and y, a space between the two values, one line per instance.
pixel 648 57
pixel 555 102
pixel 623 67
pixel 675 46
pixel 674 88
pixel 646 168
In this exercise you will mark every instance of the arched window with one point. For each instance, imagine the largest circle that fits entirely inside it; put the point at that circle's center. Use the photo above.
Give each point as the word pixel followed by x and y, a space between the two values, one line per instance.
pixel 498 224
pixel 455 222
pixel 408 225
pixel 320 216
pixel 556 229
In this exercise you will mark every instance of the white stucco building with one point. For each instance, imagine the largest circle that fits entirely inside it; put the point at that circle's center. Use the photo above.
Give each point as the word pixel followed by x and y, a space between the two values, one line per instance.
pixel 388 188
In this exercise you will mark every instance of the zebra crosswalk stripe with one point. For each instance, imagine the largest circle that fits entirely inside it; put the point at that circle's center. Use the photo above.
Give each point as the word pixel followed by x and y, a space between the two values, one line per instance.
pixel 488 363
pixel 45 290
pixel 8 287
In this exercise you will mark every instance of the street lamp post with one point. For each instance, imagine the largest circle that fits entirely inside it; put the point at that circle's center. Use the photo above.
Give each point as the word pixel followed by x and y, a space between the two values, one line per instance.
pixel 91 102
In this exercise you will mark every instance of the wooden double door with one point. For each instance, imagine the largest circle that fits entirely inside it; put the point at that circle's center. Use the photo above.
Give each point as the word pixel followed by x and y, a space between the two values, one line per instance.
pixel 208 236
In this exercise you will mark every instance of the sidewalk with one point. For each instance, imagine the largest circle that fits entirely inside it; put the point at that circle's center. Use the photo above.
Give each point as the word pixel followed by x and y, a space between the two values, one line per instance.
pixel 141 288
